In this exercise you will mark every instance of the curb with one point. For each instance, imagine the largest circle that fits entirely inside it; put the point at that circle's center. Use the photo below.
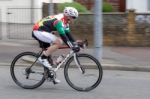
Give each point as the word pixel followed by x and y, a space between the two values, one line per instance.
pixel 19 43
pixel 125 68
pixel 111 67
pixel 5 64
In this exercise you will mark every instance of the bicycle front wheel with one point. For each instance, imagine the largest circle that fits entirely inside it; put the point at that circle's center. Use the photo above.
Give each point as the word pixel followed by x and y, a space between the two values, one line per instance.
pixel 85 77
pixel 26 71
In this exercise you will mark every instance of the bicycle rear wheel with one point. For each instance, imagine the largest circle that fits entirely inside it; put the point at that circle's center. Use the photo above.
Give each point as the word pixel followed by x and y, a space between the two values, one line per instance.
pixel 91 74
pixel 24 74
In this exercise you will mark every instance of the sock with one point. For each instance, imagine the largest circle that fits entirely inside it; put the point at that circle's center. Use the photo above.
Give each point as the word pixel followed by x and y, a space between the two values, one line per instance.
pixel 44 57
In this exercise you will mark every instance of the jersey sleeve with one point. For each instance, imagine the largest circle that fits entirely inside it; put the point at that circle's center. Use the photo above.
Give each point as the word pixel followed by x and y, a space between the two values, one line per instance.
pixel 59 27
pixel 64 33
pixel 67 30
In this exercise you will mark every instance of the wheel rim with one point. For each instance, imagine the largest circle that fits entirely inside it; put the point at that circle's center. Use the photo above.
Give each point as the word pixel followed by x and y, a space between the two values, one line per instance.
pixel 83 81
pixel 25 76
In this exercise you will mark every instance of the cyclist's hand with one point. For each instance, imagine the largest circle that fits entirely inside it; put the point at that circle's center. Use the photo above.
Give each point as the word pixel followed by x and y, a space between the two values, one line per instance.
pixel 80 43
pixel 76 47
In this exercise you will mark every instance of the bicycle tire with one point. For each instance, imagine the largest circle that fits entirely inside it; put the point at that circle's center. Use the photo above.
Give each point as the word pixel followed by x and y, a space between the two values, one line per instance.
pixel 97 68
pixel 15 64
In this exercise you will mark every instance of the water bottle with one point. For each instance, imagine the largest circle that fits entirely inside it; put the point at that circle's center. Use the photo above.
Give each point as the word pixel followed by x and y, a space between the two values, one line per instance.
pixel 59 59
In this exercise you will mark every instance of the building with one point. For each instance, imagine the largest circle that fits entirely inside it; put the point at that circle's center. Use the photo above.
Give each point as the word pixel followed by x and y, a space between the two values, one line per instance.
pixel 138 5
pixel 23 11
pixel 122 5
pixel 18 16
pixel 23 8
pixel 32 9
pixel 119 5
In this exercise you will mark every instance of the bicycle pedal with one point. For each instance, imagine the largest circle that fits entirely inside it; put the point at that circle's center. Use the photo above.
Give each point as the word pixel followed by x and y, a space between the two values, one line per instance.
pixel 54 82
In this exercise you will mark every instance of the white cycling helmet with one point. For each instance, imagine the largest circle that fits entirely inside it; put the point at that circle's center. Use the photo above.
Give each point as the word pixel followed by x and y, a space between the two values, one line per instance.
pixel 70 11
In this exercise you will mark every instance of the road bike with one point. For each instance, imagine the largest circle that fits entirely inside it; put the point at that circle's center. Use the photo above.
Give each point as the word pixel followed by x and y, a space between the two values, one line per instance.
pixel 82 71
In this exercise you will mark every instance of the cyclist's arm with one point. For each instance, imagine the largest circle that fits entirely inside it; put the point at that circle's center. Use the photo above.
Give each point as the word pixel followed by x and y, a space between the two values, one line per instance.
pixel 67 31
pixel 62 33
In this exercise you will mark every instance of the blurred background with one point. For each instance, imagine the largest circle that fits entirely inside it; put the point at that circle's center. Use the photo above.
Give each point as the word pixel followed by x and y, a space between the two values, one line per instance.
pixel 125 22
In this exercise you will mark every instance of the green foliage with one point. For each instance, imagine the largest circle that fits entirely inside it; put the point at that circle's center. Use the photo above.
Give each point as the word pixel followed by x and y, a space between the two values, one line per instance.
pixel 107 7
pixel 76 5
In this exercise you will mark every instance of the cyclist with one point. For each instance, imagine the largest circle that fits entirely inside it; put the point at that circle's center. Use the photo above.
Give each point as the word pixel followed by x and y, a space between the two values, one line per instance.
pixel 43 29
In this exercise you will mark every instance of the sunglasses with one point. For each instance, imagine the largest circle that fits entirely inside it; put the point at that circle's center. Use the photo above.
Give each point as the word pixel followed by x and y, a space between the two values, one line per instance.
pixel 73 17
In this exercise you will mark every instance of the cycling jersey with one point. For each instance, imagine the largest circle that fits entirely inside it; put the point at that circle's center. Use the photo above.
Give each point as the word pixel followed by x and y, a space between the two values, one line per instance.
pixel 53 23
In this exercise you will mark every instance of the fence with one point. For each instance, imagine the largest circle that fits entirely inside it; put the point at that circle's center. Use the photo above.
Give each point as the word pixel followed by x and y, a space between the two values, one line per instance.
pixel 114 27
pixel 115 22
pixel 129 29
pixel 142 22
pixel 20 22
pixel 120 29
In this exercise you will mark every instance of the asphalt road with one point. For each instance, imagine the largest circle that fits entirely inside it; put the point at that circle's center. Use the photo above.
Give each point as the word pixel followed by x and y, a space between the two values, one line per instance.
pixel 115 85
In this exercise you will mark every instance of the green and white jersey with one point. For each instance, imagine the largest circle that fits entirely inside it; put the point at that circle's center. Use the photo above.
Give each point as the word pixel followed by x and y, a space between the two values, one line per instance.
pixel 53 23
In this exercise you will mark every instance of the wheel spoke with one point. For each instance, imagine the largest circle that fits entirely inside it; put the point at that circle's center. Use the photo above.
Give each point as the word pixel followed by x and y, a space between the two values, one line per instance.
pixel 26 72
pixel 91 72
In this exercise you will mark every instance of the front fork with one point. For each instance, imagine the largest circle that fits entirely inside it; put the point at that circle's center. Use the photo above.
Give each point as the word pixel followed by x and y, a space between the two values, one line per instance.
pixel 82 70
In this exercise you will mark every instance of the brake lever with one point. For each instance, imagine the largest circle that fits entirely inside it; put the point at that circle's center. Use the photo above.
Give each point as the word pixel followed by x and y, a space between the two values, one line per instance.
pixel 85 43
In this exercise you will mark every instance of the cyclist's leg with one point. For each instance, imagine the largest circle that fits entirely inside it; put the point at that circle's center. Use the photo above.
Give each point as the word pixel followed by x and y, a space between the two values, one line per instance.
pixel 52 39
pixel 48 38
pixel 56 44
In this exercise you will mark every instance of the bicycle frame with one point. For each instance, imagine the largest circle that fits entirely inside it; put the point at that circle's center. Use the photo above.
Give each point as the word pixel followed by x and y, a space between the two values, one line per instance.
pixel 64 60
pixel 72 53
